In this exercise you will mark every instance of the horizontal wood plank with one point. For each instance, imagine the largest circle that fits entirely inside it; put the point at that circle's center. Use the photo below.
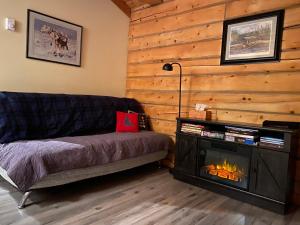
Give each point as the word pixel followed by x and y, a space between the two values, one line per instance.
pixel 170 9
pixel 161 10
pixel 263 102
pixel 163 112
pixel 293 54
pixel 199 33
pixel 237 116
pixel 291 17
pixel 195 17
pixel 286 81
pixel 155 69
pixel 241 8
pixel 138 4
pixel 254 117
pixel 290 39
pixel 186 51
pixel 280 82
pixel 163 126
pixel 209 48
pixel 288 66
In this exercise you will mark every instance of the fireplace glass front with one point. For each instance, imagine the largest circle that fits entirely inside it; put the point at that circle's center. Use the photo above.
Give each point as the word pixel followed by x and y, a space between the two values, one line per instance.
pixel 226 164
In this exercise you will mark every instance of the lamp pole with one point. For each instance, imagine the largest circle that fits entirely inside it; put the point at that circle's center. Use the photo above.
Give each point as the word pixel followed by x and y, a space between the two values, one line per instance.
pixel 169 67
pixel 180 76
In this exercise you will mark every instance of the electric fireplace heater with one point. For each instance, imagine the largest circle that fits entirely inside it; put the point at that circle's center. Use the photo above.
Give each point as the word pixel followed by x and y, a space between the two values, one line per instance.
pixel 224 163
pixel 259 172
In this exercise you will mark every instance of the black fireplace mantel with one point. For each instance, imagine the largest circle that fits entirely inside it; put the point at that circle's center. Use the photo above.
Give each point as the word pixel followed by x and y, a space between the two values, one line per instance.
pixel 265 172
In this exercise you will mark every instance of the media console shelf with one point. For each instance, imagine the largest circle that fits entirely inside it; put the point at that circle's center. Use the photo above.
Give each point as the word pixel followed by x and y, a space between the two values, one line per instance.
pixel 248 162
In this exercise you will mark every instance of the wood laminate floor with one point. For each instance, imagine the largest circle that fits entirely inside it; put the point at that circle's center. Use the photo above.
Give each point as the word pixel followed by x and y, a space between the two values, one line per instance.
pixel 142 196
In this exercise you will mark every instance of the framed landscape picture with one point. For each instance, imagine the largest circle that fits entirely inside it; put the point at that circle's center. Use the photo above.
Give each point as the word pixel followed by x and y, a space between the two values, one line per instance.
pixel 52 39
pixel 253 38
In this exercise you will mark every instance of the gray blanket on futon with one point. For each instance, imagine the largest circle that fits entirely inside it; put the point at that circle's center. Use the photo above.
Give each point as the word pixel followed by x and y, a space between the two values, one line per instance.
pixel 27 162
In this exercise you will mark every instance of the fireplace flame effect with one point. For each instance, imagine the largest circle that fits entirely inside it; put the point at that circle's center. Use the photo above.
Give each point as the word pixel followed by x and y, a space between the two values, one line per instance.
pixel 226 170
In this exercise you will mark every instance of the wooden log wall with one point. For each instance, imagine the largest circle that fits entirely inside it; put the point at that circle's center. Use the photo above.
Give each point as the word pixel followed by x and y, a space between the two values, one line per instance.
pixel 190 32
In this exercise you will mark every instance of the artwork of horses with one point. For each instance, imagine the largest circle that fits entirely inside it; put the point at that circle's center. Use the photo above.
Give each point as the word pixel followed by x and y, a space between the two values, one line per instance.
pixel 51 39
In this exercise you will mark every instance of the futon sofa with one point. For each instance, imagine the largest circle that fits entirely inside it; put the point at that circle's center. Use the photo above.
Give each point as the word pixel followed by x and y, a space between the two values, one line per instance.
pixel 53 139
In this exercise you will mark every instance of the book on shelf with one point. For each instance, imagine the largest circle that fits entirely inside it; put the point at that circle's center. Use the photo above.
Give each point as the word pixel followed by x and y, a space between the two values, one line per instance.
pixel 241 135
pixel 243 140
pixel 271 142
pixel 191 125
pixel 191 128
pixel 243 131
pixel 234 134
pixel 212 134
pixel 184 130
pixel 271 139
pixel 270 145
pixel 275 143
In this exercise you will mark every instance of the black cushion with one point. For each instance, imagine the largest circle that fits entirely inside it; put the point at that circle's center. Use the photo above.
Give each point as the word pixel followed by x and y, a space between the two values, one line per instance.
pixel 27 116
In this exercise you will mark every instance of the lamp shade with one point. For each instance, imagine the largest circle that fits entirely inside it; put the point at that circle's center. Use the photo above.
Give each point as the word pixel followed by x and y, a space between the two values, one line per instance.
pixel 168 67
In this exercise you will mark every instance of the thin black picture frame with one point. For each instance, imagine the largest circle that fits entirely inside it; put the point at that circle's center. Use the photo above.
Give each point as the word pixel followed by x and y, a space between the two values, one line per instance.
pixel 29 11
pixel 278 38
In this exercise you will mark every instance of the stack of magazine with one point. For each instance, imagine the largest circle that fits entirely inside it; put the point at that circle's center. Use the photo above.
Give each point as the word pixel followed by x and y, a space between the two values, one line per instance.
pixel 213 134
pixel 241 135
pixel 191 128
pixel 271 142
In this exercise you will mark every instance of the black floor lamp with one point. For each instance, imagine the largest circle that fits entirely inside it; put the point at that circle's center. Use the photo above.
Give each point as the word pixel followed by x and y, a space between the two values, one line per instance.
pixel 169 67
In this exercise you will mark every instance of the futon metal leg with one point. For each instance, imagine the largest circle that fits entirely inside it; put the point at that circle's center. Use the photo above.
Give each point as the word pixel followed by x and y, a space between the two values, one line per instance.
pixel 23 200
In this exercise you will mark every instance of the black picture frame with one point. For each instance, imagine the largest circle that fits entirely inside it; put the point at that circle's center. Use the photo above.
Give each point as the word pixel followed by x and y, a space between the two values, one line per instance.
pixel 53 40
pixel 274 42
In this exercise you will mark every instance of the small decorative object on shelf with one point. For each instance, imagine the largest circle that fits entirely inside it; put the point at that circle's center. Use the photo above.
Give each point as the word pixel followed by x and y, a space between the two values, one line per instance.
pixel 203 115
pixel 200 112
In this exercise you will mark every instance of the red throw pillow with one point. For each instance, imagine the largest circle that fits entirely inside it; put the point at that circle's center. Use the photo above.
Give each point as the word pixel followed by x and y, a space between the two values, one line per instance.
pixel 127 122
